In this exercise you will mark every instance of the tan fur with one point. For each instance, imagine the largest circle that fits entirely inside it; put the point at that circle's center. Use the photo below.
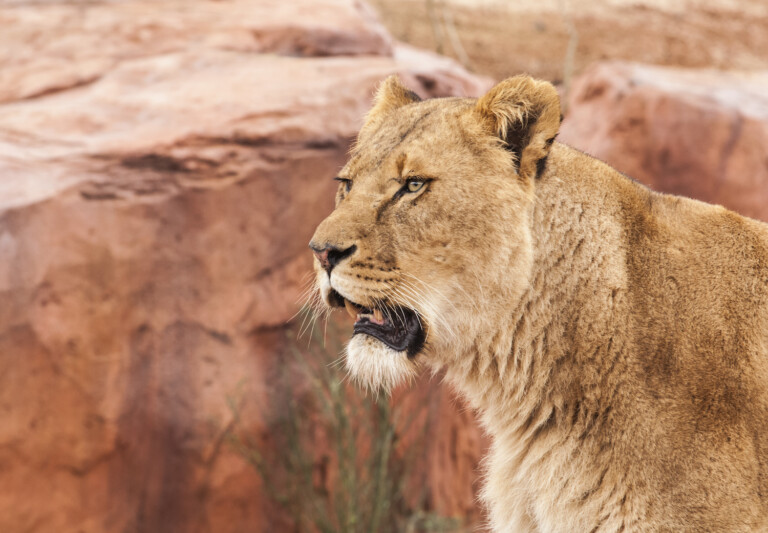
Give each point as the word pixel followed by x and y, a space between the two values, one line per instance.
pixel 614 340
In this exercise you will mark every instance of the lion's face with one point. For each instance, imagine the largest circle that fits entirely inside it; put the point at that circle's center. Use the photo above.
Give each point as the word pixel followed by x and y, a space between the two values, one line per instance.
pixel 430 237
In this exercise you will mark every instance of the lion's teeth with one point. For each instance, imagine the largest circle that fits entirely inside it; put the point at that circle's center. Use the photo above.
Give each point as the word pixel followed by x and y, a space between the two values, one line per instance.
pixel 350 309
pixel 378 316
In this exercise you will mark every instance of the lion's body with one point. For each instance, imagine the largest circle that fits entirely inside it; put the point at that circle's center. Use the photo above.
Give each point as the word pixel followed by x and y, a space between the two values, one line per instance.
pixel 614 340
pixel 642 348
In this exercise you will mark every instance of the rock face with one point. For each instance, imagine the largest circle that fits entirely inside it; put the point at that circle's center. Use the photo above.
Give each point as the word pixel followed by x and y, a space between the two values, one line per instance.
pixel 164 165
pixel 699 133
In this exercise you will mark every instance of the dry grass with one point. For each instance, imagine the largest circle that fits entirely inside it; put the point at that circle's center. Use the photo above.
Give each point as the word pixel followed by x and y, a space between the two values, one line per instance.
pixel 338 460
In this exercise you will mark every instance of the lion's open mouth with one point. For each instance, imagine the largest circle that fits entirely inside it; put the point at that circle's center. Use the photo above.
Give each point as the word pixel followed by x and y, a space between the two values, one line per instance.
pixel 398 327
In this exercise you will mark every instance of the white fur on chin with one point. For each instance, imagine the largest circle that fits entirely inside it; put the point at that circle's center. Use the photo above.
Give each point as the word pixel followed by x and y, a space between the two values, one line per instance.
pixel 376 366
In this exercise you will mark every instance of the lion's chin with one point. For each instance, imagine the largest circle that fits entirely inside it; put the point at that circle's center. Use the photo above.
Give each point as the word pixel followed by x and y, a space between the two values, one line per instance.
pixel 376 366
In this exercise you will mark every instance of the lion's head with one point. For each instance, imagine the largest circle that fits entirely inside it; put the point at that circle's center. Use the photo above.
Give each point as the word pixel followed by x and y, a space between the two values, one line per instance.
pixel 429 245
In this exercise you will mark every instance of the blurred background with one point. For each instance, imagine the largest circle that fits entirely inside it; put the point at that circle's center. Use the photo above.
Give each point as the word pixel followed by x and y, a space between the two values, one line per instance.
pixel 163 164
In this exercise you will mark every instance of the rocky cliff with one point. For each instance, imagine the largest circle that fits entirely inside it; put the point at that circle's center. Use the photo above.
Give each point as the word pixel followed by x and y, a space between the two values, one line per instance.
pixel 697 132
pixel 163 167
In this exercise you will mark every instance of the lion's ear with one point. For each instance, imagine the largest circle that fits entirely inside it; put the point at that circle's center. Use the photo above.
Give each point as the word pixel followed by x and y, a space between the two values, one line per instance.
pixel 525 114
pixel 390 95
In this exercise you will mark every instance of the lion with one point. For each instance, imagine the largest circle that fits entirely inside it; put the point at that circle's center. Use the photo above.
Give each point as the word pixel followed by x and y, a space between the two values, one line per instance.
pixel 613 340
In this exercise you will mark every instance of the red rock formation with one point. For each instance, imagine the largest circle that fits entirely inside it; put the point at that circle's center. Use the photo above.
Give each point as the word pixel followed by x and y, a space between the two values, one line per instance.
pixel 699 133
pixel 163 167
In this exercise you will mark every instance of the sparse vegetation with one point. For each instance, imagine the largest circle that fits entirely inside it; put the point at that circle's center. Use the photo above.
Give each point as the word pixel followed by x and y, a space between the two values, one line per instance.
pixel 338 462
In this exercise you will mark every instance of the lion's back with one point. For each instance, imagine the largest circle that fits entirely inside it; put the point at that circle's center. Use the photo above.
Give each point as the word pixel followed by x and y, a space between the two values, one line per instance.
pixel 699 304
pixel 688 381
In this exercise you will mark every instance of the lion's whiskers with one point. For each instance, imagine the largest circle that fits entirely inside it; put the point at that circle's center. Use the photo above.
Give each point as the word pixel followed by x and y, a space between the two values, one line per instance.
pixel 313 307
pixel 306 297
pixel 421 296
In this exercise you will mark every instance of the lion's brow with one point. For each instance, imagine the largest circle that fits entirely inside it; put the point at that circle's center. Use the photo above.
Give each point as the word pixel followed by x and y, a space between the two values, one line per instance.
pixel 385 153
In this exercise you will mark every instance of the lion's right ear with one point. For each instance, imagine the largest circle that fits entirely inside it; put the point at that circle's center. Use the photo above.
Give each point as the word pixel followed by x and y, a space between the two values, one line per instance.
pixel 525 114
pixel 390 95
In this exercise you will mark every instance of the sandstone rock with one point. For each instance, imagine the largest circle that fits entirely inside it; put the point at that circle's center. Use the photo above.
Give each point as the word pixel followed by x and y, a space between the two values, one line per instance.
pixel 163 170
pixel 45 48
pixel 699 133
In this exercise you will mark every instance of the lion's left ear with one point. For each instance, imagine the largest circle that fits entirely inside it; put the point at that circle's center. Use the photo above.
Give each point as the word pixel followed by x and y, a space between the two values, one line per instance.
pixel 390 95
pixel 525 114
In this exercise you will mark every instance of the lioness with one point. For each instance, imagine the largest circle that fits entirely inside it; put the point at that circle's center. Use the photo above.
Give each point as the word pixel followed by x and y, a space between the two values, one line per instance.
pixel 613 339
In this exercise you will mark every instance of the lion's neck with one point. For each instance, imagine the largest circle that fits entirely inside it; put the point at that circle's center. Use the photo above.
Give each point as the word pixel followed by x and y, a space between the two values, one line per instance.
pixel 539 373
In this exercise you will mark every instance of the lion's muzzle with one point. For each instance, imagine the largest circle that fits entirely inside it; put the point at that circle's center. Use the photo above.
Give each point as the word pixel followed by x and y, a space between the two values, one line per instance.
pixel 330 256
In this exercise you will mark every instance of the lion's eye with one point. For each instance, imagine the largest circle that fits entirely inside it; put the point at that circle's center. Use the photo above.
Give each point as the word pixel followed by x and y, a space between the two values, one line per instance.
pixel 347 183
pixel 414 185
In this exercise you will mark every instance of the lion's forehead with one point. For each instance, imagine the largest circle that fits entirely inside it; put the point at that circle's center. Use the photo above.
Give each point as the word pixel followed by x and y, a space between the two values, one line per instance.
pixel 390 141
pixel 423 134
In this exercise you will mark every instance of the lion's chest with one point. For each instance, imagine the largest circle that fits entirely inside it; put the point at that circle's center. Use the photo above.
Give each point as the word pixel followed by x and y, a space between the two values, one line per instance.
pixel 550 486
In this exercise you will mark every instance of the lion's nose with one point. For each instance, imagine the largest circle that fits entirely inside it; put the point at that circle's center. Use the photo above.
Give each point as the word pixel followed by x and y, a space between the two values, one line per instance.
pixel 330 256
